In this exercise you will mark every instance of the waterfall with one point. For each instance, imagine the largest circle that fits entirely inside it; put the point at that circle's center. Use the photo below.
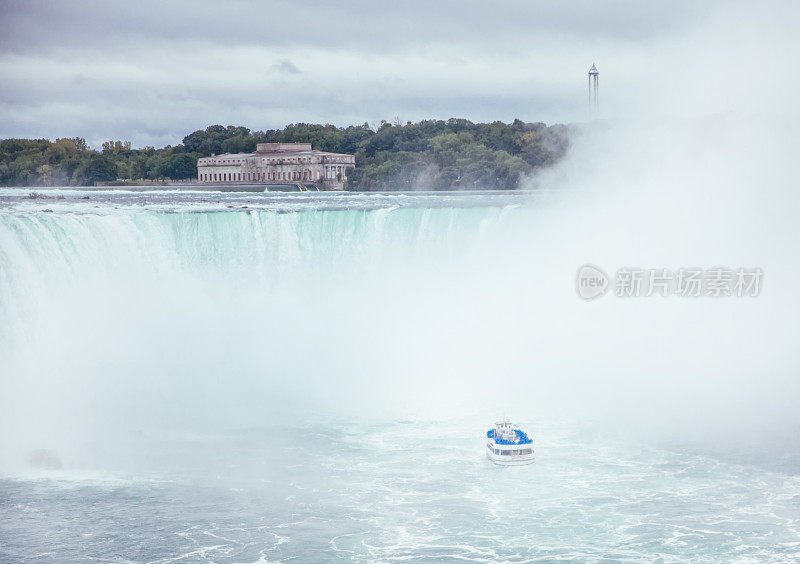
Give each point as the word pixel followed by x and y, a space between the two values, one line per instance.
pixel 137 318
pixel 43 256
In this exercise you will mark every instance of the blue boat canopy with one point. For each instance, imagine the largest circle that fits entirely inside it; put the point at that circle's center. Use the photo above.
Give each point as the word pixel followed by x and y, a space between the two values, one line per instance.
pixel 521 438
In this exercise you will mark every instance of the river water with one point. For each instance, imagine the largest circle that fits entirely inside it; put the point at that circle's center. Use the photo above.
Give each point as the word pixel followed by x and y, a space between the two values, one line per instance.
pixel 199 376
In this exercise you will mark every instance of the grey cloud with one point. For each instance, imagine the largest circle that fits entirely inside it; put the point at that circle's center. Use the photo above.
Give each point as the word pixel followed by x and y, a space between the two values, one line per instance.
pixel 286 66
pixel 41 26
pixel 151 72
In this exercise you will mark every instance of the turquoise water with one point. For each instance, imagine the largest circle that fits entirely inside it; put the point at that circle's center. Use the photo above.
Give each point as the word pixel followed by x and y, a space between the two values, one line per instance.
pixel 312 378
pixel 381 492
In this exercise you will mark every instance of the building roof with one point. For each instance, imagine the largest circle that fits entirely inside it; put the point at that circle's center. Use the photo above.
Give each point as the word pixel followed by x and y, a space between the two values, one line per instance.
pixel 313 152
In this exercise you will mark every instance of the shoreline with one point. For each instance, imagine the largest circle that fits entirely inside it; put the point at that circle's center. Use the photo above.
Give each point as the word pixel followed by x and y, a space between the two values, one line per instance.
pixel 251 189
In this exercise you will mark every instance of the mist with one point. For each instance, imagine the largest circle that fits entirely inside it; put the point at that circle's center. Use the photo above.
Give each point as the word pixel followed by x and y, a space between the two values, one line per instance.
pixel 192 375
pixel 436 316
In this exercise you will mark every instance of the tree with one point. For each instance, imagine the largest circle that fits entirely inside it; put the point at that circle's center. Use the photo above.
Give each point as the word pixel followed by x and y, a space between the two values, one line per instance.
pixel 45 172
pixel 430 154
pixel 239 144
pixel 116 147
pixel 97 168
pixel 182 165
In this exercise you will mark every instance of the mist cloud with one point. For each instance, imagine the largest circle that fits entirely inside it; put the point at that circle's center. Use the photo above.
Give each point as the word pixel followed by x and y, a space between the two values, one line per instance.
pixel 697 169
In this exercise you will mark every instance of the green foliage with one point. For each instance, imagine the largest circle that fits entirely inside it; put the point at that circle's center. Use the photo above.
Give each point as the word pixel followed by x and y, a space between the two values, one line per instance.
pixel 428 155
pixel 96 168
pixel 116 147
pixel 455 154
pixel 176 166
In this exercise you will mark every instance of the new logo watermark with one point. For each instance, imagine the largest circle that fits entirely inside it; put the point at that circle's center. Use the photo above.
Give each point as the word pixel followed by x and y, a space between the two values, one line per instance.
pixel 717 282
pixel 591 282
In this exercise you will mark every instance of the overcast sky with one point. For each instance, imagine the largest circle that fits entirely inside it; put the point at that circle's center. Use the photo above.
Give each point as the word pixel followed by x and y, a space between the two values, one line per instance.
pixel 152 72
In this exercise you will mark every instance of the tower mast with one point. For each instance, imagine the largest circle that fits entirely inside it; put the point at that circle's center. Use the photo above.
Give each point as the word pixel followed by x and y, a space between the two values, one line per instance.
pixel 594 90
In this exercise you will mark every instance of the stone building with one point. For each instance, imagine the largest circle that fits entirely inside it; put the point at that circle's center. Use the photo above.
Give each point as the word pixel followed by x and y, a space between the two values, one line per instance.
pixel 277 163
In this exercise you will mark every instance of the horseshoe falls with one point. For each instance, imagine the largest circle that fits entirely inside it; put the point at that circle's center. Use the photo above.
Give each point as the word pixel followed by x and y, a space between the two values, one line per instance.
pixel 190 376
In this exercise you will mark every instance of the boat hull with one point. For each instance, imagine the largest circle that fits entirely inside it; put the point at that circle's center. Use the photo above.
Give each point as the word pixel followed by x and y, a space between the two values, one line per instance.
pixel 505 455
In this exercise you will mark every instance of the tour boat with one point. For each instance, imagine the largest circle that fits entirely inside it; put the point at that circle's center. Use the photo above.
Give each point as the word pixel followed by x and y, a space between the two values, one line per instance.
pixel 508 445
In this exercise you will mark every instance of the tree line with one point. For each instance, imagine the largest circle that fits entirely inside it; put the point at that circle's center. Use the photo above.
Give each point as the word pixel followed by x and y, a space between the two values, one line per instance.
pixel 431 154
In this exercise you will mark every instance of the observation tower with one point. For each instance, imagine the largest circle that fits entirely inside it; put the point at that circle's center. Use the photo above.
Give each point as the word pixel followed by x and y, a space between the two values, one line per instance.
pixel 594 90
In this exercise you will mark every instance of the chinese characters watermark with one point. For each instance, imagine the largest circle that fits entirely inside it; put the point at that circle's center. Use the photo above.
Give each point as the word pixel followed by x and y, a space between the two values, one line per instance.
pixel 717 282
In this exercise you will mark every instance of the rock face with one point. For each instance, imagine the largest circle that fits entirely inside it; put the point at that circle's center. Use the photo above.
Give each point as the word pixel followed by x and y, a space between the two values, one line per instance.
pixel 44 459
pixel 40 196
